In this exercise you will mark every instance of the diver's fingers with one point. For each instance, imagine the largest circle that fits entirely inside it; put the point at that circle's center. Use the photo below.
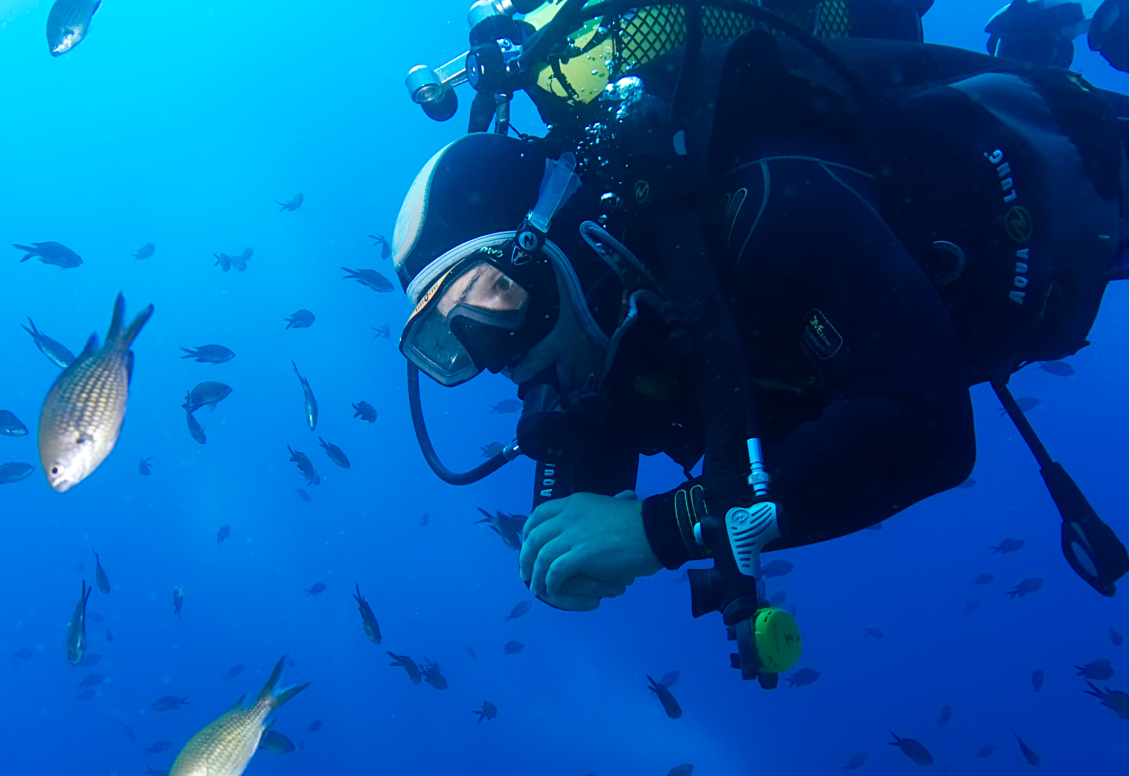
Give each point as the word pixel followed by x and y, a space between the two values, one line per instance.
pixel 532 546
pixel 552 550
pixel 586 586
pixel 627 495
pixel 546 511
pixel 564 568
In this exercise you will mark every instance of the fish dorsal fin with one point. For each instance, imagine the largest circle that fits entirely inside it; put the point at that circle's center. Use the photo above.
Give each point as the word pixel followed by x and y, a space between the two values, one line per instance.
pixel 272 680
pixel 90 349
pixel 94 10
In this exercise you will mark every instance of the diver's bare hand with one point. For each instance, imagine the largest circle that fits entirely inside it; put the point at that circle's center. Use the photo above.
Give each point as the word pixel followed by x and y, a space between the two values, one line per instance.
pixel 585 547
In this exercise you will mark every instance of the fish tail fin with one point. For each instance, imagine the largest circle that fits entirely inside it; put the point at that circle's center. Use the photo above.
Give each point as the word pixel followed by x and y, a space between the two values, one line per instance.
pixel 189 353
pixel 30 251
pixel 128 336
pixel 267 696
pixel 32 331
pixel 287 694
pixel 116 320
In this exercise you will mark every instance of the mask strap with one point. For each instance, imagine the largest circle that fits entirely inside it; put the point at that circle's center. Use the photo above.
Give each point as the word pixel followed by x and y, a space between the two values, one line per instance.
pixel 558 183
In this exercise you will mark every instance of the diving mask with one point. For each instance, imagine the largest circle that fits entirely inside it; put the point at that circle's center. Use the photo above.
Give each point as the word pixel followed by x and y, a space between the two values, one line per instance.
pixel 481 314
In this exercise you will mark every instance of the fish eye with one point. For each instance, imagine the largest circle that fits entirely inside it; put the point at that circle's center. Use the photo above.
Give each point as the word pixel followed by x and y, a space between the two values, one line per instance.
pixel 57 469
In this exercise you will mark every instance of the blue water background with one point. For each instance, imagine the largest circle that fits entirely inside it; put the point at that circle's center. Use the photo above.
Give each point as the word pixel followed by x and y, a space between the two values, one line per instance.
pixel 180 124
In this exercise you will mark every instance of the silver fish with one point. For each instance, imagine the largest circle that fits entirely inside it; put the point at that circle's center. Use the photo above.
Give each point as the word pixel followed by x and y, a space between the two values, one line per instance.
pixel 57 354
pixel 83 413
pixel 311 404
pixel 76 628
pixel 226 745
pixel 68 24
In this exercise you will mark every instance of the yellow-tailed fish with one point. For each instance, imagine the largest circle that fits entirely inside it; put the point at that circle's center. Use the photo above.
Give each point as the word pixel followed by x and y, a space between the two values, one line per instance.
pixel 225 745
pixel 83 413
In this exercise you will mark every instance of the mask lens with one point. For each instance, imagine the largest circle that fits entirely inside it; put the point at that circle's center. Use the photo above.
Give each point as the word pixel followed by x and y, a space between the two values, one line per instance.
pixel 485 302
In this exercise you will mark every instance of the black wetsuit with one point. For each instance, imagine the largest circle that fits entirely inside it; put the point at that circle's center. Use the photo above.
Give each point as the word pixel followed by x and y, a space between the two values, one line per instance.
pixel 859 362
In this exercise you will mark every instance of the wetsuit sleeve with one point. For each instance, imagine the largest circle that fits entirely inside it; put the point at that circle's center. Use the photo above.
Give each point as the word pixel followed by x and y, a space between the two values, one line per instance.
pixel 825 295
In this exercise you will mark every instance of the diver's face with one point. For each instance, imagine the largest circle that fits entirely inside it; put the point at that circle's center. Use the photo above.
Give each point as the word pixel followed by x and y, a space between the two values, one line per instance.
pixel 484 286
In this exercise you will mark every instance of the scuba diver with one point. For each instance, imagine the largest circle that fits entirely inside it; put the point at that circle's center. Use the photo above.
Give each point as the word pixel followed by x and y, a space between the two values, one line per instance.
pixel 1042 32
pixel 783 255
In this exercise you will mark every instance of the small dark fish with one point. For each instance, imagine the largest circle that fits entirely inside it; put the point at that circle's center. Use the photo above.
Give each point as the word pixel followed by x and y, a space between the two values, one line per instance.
pixel 489 711
pixel 302 461
pixel 21 654
pixel 129 732
pixel 1057 368
pixel 493 449
pixel 944 717
pixel 109 635
pixel 971 606
pixel 316 589
pixel 983 579
pixel 913 749
pixel 424 519
pixel 169 703
pixel 470 652
pixel 804 677
pixel 506 406
pixel 365 411
pixel 315 726
pixel 303 319
pixel 670 705
pixel 95 617
pixel 432 675
pixel 1007 546
pixel 223 261
pixel 144 252
pixel 160 746
pixel 85 695
pixel 209 354
pixel 92 680
pixel 777 600
pixel 1099 670
pixel 518 610
pixel 194 428
pixel 56 353
pixel 51 252
pixel 1038 680
pixel 10 425
pixel 335 453
pixel 969 482
pixel 293 203
pixel 143 467
pixel 223 533
pixel 100 576
pixel 68 24
pixel 408 664
pixel 206 393
pixel 513 647
pixel 178 601
pixel 386 249
pixel 986 750
pixel 89 659
pixel 15 471
pixel 310 406
pixel 1024 402
pixel 874 633
pixel 508 527
pixel 855 761
pixel 276 742
pixel 1115 700
pixel 370 278
pixel 1025 587
pixel 240 261
pixel 302 494
pixel 76 628
pixel 1029 754
pixel 776 568
pixel 686 769
pixel 368 619
pixel 235 670
pixel 382 332
pixel 1116 638
pixel 669 679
